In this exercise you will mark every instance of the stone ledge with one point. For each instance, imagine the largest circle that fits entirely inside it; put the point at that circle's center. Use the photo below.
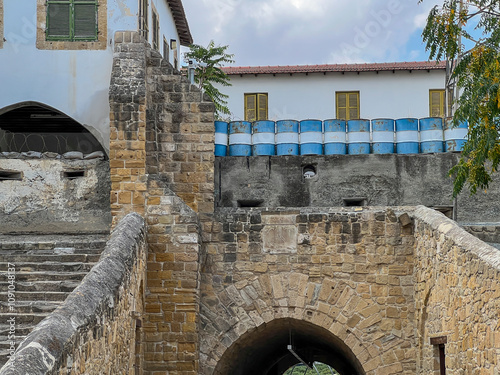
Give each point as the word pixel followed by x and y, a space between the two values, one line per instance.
pixel 458 235
pixel 91 303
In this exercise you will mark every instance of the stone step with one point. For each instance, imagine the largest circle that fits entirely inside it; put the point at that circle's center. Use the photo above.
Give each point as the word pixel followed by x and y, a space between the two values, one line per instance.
pixel 21 330
pixel 24 319
pixel 41 286
pixel 49 276
pixel 52 242
pixel 41 296
pixel 35 257
pixel 49 266
pixel 21 307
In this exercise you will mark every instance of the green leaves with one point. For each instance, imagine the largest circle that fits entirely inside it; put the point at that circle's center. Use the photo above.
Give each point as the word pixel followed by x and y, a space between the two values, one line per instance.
pixel 475 24
pixel 213 57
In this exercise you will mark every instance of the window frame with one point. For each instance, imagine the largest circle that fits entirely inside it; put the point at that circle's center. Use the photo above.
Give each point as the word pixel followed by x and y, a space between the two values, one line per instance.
pixel 166 49
pixel 72 37
pixel 155 29
pixel 442 99
pixel 257 106
pixel 100 43
pixel 144 18
pixel 1 23
pixel 347 108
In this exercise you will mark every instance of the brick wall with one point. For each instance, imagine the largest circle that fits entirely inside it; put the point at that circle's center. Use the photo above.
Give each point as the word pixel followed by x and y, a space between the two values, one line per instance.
pixel 349 272
pixel 95 330
pixel 457 296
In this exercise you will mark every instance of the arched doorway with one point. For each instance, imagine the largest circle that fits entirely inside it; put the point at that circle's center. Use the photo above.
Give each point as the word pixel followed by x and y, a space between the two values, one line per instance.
pixel 274 347
pixel 31 126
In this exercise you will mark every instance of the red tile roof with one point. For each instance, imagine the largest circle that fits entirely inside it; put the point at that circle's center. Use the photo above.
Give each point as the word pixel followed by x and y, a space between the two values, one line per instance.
pixel 371 67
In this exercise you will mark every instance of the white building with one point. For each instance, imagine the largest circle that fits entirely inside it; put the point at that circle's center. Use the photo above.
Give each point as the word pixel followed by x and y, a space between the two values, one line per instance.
pixel 348 91
pixel 56 59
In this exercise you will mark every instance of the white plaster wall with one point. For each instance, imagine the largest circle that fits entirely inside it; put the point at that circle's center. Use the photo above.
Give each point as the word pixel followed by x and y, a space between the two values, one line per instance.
pixel 167 29
pixel 73 82
pixel 383 95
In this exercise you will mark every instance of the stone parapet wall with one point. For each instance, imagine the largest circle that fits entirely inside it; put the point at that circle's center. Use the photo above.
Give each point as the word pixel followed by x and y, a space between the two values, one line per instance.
pixel 96 329
pixel 457 295
pixel 349 271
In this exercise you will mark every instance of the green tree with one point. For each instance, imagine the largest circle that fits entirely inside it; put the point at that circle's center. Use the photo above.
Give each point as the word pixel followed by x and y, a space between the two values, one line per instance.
pixel 468 33
pixel 209 73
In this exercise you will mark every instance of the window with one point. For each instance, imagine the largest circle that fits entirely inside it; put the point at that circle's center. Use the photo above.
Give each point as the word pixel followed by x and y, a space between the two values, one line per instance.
pixel 173 47
pixel 436 103
pixel 72 20
pixel 143 18
pixel 156 31
pixel 256 107
pixel 71 24
pixel 165 50
pixel 347 105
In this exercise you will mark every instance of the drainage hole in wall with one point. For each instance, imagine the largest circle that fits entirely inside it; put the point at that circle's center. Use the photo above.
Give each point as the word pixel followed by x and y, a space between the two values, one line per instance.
pixel 11 175
pixel 71 175
pixel 309 171
pixel 354 202
pixel 250 202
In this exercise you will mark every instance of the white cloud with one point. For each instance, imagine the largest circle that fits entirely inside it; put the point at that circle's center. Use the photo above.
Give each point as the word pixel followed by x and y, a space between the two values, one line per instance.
pixel 289 32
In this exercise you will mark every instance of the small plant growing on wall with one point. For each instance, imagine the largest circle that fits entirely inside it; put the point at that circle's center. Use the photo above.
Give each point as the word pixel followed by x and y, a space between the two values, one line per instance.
pixel 209 61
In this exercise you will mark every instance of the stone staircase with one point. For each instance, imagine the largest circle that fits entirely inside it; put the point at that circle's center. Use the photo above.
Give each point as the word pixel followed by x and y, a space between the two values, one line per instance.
pixel 43 270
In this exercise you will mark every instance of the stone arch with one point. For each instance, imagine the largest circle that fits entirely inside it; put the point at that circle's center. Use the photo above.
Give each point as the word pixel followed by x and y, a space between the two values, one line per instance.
pixel 34 126
pixel 331 305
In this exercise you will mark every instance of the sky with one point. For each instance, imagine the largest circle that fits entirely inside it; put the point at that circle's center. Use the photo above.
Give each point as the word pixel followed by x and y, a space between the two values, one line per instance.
pixel 300 32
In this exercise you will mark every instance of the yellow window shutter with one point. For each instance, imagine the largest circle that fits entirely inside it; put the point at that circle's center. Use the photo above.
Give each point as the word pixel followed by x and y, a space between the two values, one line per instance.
pixel 262 101
pixel 342 106
pixel 250 107
pixel 436 103
pixel 353 105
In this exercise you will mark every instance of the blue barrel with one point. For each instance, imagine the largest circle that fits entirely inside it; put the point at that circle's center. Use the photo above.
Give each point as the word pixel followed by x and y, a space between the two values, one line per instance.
pixel 287 137
pixel 431 135
pixel 383 136
pixel 358 132
pixel 407 136
pixel 221 138
pixel 263 138
pixel 335 137
pixel 311 137
pixel 240 138
pixel 455 137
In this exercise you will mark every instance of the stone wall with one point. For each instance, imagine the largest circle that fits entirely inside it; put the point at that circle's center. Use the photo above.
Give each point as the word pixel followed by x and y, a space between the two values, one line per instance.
pixel 457 296
pixel 96 328
pixel 47 193
pixel 340 180
pixel 348 271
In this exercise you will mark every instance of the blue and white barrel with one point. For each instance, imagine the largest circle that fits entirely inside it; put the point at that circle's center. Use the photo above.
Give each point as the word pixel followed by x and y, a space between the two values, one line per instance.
pixel 358 132
pixel 240 138
pixel 311 137
pixel 407 136
pixel 431 135
pixel 383 136
pixel 455 137
pixel 221 138
pixel 335 137
pixel 263 138
pixel 287 137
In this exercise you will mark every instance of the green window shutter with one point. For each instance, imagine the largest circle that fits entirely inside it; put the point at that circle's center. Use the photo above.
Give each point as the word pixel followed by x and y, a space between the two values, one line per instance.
pixel 250 107
pixel 58 20
pixel 85 20
pixel 262 101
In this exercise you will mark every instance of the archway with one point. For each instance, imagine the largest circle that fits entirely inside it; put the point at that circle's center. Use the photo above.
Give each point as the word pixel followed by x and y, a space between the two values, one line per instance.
pixel 273 347
pixel 32 126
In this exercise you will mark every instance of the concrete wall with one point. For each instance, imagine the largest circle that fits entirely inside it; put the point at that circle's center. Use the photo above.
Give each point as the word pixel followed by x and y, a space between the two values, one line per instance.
pixel 46 200
pixel 78 78
pixel 383 95
pixel 95 330
pixel 380 180
pixel 457 295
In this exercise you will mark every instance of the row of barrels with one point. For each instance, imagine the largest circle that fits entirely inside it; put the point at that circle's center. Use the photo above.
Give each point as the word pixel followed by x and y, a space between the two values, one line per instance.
pixel 338 137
